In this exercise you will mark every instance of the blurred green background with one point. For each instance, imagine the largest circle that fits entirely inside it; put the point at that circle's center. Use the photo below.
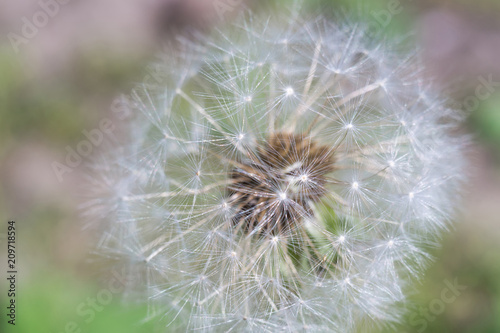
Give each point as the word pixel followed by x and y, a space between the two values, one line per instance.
pixel 64 80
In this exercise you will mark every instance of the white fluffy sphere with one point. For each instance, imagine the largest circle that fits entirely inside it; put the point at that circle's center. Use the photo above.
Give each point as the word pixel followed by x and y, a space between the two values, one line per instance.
pixel 281 177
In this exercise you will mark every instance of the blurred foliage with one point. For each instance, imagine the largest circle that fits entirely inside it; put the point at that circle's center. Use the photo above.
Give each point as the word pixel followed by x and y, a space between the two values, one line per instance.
pixel 472 260
pixel 57 109
pixel 485 122
pixel 375 13
pixel 29 109
pixel 59 303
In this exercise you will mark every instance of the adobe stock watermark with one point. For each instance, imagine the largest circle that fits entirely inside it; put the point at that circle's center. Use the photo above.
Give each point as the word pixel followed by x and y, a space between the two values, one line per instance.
pixel 383 17
pixel 74 156
pixel 225 6
pixel 122 109
pixel 486 88
pixel 449 294
pixel 48 9
pixel 88 309
pixel 94 138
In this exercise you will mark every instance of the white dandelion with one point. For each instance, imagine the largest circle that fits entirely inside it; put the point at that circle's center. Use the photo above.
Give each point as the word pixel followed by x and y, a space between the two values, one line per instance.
pixel 281 177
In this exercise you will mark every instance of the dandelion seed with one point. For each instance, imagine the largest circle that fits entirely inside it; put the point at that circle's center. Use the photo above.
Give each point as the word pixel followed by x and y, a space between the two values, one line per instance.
pixel 240 208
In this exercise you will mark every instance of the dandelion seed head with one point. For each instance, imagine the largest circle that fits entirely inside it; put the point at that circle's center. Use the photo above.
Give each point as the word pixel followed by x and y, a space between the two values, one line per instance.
pixel 269 167
pixel 258 195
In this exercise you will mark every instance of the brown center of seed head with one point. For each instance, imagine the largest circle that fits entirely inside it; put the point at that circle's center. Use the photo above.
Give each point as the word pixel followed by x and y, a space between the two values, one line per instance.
pixel 271 192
